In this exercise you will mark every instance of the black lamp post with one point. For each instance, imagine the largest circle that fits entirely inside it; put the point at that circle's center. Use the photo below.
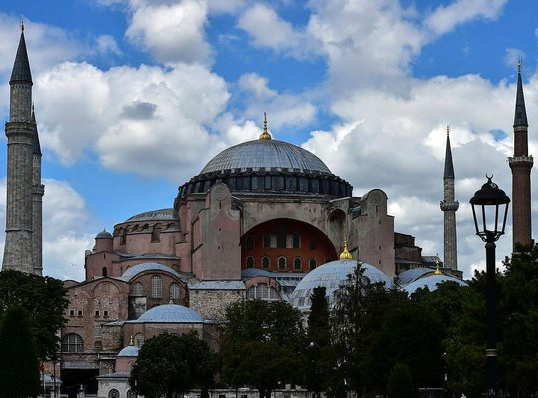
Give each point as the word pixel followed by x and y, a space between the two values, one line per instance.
pixel 492 204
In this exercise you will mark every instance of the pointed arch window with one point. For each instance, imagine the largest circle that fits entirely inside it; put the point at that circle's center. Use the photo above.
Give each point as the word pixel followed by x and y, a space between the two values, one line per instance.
pixel 250 262
pixel 266 262
pixel 282 263
pixel 297 263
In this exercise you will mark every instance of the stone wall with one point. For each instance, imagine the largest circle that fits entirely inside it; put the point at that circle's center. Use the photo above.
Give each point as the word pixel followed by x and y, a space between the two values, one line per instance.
pixel 211 304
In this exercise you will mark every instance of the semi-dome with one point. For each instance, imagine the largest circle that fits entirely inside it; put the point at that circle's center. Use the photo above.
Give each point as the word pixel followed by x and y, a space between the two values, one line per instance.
pixel 431 282
pixel 331 276
pixel 129 351
pixel 266 154
pixel 133 271
pixel 170 313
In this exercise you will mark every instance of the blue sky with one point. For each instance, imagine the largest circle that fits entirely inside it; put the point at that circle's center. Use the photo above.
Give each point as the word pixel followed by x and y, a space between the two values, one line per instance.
pixel 366 85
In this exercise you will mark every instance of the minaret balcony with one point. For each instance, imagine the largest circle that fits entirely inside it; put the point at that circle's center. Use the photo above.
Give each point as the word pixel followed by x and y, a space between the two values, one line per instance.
pixel 449 206
pixel 521 160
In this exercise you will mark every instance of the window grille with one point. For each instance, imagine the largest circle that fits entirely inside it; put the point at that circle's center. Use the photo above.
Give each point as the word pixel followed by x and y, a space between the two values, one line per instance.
pixel 266 262
pixel 138 340
pixel 156 287
pixel 72 342
pixel 174 291
pixel 281 262
pixel 137 289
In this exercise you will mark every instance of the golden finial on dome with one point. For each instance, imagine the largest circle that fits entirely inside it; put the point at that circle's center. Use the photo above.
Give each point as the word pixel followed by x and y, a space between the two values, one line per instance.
pixel 265 135
pixel 437 269
pixel 345 255
pixel 131 342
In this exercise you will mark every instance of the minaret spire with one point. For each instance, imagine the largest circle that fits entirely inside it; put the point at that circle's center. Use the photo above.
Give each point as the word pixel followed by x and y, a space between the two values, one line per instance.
pixel 449 206
pixel 20 132
pixel 521 164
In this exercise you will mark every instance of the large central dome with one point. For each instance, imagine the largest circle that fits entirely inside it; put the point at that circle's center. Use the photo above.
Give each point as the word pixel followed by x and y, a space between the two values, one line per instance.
pixel 267 167
pixel 266 154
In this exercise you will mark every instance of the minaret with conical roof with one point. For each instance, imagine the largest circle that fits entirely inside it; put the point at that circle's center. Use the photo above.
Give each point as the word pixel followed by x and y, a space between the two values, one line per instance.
pixel 449 206
pixel 521 165
pixel 20 132
pixel 38 190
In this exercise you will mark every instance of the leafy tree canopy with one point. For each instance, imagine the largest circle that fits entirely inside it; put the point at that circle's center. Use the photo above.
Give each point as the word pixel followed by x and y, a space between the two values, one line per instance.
pixel 170 365
pixel 262 345
pixel 19 375
pixel 44 300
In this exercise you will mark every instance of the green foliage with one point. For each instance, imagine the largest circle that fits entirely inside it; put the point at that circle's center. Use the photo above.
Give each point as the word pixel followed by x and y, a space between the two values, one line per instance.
pixel 19 375
pixel 170 365
pixel 357 317
pixel 410 336
pixel 262 345
pixel 518 322
pixel 44 300
pixel 400 383
pixel 318 339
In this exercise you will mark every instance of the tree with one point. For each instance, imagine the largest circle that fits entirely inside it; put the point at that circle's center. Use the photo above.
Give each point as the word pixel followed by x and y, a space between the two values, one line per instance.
pixel 318 339
pixel 170 365
pixel 44 300
pixel 358 315
pixel 19 375
pixel 518 322
pixel 262 345
pixel 400 384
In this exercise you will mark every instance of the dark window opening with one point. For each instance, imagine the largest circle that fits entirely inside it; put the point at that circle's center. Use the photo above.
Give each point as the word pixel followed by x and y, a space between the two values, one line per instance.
pixel 266 262
pixel 282 263
pixel 105 271
pixel 250 262
pixel 313 263
pixel 266 240
pixel 281 239
pixel 313 245
pixel 297 263
pixel 296 240
pixel 250 242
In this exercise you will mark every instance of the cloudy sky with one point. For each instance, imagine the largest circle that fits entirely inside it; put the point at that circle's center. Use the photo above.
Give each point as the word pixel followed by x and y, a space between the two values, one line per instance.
pixel 133 97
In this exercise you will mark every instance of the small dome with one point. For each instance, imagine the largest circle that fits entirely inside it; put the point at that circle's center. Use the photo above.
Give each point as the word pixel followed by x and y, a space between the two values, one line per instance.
pixel 266 154
pixel 129 351
pixel 431 282
pixel 154 215
pixel 331 276
pixel 170 313
pixel 103 235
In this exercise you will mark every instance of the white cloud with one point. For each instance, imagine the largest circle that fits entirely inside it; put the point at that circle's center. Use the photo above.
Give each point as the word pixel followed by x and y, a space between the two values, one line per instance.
pixel 267 29
pixel 171 31
pixel 445 18
pixel 513 56
pixel 65 222
pixel 106 44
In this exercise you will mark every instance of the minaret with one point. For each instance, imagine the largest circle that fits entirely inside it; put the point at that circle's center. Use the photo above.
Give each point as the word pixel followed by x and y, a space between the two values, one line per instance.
pixel 521 165
pixel 38 190
pixel 20 132
pixel 449 206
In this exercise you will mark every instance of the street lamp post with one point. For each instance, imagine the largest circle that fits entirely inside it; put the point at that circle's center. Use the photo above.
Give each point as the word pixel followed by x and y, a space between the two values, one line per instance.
pixel 490 202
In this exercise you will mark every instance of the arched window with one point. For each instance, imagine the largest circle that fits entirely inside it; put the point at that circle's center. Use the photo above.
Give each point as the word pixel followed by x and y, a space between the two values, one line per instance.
pixel 297 263
pixel 262 292
pixel 156 233
pixel 156 287
pixel 105 271
pixel 123 238
pixel 266 262
pixel 282 263
pixel 250 262
pixel 174 291
pixel 137 289
pixel 138 340
pixel 131 394
pixel 250 242
pixel 113 393
pixel 313 263
pixel 72 342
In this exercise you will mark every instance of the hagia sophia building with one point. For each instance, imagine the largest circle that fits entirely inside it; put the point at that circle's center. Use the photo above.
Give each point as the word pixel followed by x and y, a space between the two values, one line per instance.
pixel 263 219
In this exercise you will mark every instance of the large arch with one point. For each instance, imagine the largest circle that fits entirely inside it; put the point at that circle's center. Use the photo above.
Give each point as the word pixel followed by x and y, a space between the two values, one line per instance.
pixel 285 238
